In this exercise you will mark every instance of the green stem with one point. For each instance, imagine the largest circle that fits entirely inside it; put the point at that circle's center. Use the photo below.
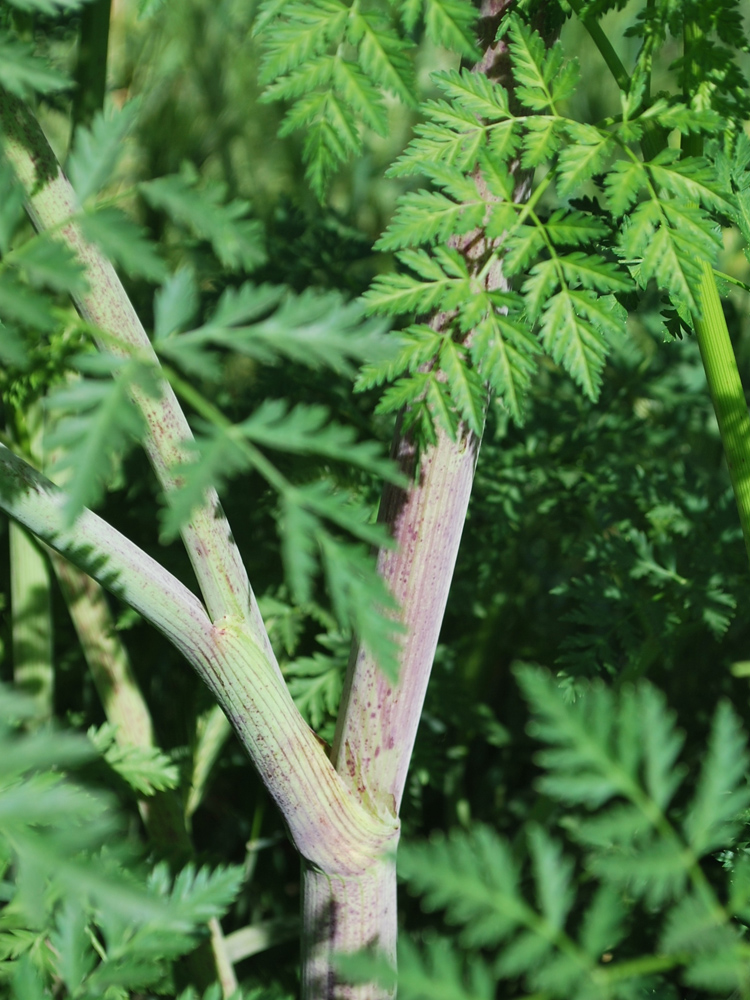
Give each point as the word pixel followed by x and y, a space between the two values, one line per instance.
pixel 604 45
pixel 712 334
pixel 727 394
pixel 327 822
pixel 51 204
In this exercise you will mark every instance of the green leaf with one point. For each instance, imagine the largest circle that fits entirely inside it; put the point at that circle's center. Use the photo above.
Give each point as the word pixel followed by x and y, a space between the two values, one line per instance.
pixel 321 331
pixel 175 304
pixel 97 151
pixel 444 284
pixel 430 216
pixel 574 342
pixel 25 306
pixel 503 351
pixel 541 140
pixel 215 456
pixel 303 31
pixel 623 182
pixel 23 74
pixel 537 70
pixel 722 794
pixel 575 229
pixel 420 345
pixel 466 387
pixel 315 682
pixel 691 179
pixel 474 877
pixel 452 24
pixel 48 263
pixel 603 923
pixel 236 240
pixel 299 528
pixel 12 347
pixel 97 423
pixel 552 876
pixel 362 601
pixel 308 430
pixel 146 769
pixel 475 92
pixel 72 946
pixel 382 53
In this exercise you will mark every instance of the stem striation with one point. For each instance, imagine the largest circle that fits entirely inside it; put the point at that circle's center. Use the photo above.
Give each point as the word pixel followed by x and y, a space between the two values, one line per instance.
pixel 52 204
pixel 330 827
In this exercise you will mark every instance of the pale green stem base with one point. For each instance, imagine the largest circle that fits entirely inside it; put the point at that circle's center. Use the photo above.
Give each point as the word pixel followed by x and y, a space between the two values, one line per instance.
pixel 344 915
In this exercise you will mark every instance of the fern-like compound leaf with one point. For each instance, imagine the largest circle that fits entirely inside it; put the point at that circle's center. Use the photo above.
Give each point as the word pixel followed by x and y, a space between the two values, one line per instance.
pixel 236 240
pixel 23 74
pixel 97 151
pixel 96 423
pixel 722 794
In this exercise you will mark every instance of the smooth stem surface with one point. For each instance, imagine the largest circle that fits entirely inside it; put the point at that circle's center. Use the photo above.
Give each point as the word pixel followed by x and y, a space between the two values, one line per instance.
pixel 344 915
pixel 614 64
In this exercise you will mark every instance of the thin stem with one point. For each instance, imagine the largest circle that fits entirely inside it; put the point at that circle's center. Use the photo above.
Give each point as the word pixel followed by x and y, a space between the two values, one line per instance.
pixel 327 822
pixel 52 203
pixel 727 393
pixel 712 334
pixel 604 45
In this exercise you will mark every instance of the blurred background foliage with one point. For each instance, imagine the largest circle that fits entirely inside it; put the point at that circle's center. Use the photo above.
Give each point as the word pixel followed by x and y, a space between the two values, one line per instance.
pixel 602 538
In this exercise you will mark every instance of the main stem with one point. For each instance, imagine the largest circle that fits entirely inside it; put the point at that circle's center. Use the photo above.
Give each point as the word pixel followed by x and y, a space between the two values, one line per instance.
pixel 378 719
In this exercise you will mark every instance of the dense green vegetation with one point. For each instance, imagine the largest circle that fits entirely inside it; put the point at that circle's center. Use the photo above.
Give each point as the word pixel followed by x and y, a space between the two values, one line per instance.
pixel 574 821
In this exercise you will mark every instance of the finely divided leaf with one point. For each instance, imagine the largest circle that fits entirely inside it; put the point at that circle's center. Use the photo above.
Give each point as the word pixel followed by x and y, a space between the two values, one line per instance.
pixel 451 23
pixel 429 216
pixel 722 795
pixel 308 430
pixel 175 304
pixel 23 74
pixel 236 240
pixel 96 423
pixel 97 150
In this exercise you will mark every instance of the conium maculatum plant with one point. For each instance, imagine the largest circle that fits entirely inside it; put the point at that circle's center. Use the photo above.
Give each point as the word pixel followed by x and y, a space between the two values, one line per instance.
pixel 535 235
